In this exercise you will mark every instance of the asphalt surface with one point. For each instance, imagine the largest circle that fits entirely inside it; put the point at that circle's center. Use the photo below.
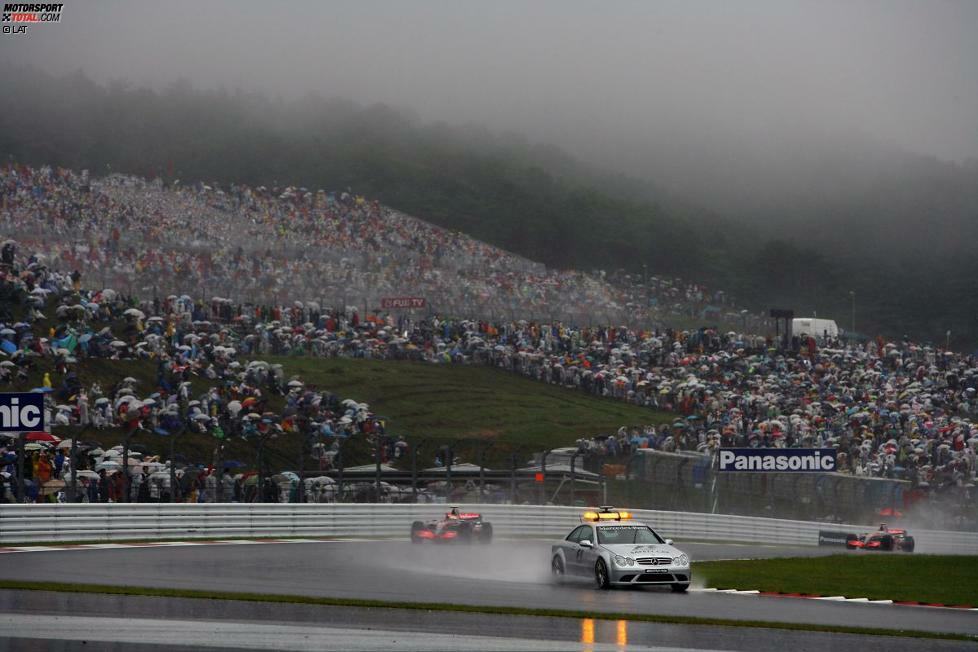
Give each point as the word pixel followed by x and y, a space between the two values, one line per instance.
pixel 38 620
pixel 501 574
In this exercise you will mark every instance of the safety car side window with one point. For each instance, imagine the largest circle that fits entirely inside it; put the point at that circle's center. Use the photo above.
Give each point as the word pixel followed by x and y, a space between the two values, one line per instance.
pixel 580 533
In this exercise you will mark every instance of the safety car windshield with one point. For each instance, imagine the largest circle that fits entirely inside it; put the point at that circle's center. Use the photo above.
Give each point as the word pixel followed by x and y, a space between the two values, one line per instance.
pixel 619 534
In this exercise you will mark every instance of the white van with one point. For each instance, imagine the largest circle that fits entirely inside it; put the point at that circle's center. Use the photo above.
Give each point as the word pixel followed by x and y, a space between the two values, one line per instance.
pixel 803 326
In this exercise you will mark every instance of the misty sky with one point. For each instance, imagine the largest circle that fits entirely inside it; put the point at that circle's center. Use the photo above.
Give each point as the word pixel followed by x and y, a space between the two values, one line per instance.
pixel 572 72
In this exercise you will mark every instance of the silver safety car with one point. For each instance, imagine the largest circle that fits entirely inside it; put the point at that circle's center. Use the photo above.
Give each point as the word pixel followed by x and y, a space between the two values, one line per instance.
pixel 614 550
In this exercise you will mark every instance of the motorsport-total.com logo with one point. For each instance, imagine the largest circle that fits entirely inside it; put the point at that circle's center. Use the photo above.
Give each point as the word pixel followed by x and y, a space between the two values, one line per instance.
pixel 17 17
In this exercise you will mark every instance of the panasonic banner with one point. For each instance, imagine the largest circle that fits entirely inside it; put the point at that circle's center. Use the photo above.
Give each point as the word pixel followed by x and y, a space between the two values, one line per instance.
pixel 21 412
pixel 777 460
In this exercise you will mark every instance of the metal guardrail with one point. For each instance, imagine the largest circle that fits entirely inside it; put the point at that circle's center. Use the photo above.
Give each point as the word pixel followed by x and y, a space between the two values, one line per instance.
pixel 122 521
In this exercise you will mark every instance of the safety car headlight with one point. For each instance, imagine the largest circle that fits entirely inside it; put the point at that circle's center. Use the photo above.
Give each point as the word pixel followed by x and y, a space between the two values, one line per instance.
pixel 681 560
pixel 623 561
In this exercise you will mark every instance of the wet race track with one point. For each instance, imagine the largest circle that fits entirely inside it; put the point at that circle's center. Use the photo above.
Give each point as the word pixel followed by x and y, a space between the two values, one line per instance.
pixel 511 574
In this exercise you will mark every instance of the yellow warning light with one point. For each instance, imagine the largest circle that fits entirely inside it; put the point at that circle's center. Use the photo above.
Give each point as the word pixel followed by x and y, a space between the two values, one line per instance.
pixel 606 515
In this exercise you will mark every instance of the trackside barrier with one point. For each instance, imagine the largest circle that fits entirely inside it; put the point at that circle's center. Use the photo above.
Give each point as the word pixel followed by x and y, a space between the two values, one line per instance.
pixel 121 521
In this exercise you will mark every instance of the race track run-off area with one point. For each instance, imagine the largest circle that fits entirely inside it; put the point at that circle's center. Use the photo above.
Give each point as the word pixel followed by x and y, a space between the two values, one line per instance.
pixel 504 574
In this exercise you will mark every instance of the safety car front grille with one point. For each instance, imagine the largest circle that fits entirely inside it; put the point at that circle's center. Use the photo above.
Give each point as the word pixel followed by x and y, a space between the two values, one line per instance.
pixel 654 561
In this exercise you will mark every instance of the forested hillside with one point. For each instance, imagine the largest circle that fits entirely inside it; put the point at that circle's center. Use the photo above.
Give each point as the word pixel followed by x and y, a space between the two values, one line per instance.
pixel 529 198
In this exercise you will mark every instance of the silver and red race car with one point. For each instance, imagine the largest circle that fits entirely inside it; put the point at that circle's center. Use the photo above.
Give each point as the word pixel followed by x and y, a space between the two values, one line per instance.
pixel 455 527
pixel 885 538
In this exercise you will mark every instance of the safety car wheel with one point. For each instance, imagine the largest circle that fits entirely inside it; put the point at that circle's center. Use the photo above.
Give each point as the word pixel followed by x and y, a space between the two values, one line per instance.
pixel 557 570
pixel 601 575
pixel 680 588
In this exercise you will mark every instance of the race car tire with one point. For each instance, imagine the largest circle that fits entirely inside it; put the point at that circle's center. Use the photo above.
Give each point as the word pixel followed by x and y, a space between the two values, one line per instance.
pixel 680 588
pixel 557 572
pixel 886 543
pixel 485 534
pixel 465 533
pixel 416 527
pixel 908 544
pixel 601 575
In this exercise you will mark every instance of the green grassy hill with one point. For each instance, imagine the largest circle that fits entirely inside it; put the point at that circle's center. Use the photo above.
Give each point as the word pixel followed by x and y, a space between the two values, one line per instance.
pixel 439 402
pixel 465 406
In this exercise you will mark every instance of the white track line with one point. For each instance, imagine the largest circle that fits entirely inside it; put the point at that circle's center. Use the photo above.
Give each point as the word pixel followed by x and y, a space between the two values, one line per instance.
pixel 827 598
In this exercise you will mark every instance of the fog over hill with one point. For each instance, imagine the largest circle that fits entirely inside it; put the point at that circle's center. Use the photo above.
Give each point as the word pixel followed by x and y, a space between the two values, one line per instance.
pixel 797 150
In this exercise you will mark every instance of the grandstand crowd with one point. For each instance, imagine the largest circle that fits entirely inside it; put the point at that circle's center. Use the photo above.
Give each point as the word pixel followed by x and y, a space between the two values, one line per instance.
pixel 114 268
pixel 272 246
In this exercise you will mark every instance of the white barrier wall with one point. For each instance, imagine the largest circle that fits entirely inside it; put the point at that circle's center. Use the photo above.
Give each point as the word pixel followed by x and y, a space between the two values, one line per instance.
pixel 114 522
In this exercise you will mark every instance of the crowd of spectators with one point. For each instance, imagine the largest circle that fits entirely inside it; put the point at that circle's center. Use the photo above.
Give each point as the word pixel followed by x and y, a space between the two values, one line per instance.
pixel 268 246
pixel 898 409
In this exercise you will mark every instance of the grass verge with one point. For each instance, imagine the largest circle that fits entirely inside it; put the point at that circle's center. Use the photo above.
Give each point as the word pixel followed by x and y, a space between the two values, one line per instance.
pixel 934 579
pixel 463 608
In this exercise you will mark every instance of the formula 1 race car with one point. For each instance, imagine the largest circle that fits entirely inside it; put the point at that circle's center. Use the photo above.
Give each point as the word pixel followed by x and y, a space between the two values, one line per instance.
pixel 883 539
pixel 455 527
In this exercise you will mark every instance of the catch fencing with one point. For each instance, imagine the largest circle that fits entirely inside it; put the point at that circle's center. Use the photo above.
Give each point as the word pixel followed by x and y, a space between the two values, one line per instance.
pixel 688 482
pixel 159 521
